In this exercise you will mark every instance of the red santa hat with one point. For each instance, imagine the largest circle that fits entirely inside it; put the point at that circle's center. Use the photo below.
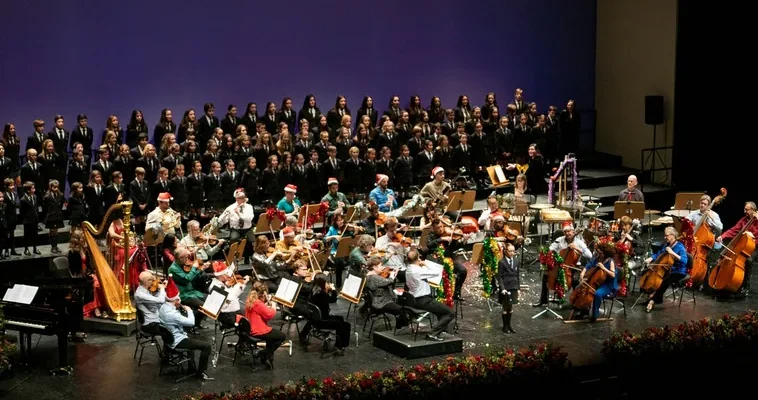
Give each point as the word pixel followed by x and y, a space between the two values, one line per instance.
pixel 437 170
pixel 220 268
pixel 381 177
pixel 332 181
pixel 288 231
pixel 498 216
pixel 165 196
pixel 290 188
pixel 568 226
pixel 239 193
pixel 172 292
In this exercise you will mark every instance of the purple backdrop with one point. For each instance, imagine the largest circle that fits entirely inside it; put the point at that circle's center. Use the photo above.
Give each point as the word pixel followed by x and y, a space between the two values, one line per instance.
pixel 103 57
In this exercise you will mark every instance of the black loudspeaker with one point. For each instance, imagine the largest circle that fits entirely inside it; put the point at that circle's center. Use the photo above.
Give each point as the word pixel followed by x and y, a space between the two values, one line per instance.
pixel 654 110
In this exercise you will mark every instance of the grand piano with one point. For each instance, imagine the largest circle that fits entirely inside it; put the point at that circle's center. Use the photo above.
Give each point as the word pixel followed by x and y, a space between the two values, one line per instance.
pixel 55 308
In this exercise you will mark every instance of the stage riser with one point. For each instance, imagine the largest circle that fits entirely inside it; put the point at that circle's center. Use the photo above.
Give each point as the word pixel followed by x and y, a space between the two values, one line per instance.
pixel 404 346
pixel 102 325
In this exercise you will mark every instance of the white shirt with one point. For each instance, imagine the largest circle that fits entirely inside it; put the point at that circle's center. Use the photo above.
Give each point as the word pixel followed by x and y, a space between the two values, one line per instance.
pixel 232 303
pixel 155 220
pixel 714 221
pixel 396 253
pixel 203 252
pixel 415 279
pixel 484 219
pixel 231 216
pixel 149 303
pixel 560 244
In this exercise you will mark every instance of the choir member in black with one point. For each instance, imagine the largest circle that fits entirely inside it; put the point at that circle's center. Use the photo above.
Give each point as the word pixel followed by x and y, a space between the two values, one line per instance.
pixel 3 228
pixel 310 111
pixel 476 116
pixel 503 142
pixel 195 190
pixel 93 195
pixel 12 145
pixel 139 194
pixel 343 143
pixel 190 154
pixel 334 115
pixel 393 111
pixel 322 295
pixel 518 101
pixel 388 137
pixel 111 124
pixel 250 119
pixel 269 118
pixel 111 143
pixel 270 178
pixel 78 207
pixel 322 147
pixel 449 126
pixel 402 170
pixel 424 162
pixel 284 175
pixel 460 129
pixel 463 109
pixel 59 136
pixel 102 165
pixel 300 177
pixel 164 126
pixel 150 163
pixel 333 166
pixel 305 143
pixel 125 163
pixel 135 127
pixel 316 177
pixel 36 139
pixel 53 209
pixel 287 114
pixel 178 190
pixel 83 134
pixel 436 238
pixel 522 137
pixel 207 123
pixel 508 284
pixel 462 155
pixel 160 185
pixel 493 123
pixel 490 102
pixel 53 165
pixel 569 125
pixel 250 180
pixel 480 143
pixel 138 150
pixel 386 165
pixel 244 150
pixel 211 155
pixel 539 132
pixel 11 218
pixel 443 153
pixel 367 109
pixel 436 111
pixel 369 170
pixel 353 173
pixel 263 149
pixel 6 165
pixel 32 170
pixel 29 217
pixel 115 192
pixel 230 180
pixel 173 158
pixel 230 121
pixel 415 109
pixel 212 188
pixel 188 125
pixel 416 142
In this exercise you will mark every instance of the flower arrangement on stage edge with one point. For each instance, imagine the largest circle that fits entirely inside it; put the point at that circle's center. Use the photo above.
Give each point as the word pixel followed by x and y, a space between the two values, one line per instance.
pixel 429 380
pixel 491 255
pixel 574 180
pixel 549 260
pixel 705 335
pixel 445 291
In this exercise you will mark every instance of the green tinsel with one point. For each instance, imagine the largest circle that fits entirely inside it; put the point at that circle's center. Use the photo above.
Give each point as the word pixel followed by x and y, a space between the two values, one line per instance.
pixel 488 267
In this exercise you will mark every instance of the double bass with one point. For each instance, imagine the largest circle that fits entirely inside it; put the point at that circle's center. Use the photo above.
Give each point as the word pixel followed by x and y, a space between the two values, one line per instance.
pixel 729 273
pixel 584 294
pixel 704 242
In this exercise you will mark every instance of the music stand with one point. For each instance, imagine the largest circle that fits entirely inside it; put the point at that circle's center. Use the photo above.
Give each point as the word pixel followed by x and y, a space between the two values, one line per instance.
pixel 214 302
pixel 461 200
pixel 345 246
pixel 687 200
pixel 497 176
pixel 354 213
pixel 266 225
pixel 306 211
pixel 417 211
pixel 287 292
pixel 632 209
pixel 351 290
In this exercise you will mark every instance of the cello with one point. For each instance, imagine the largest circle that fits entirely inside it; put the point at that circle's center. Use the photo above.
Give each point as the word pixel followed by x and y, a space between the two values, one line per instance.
pixel 729 273
pixel 584 294
pixel 570 259
pixel 704 242
pixel 656 271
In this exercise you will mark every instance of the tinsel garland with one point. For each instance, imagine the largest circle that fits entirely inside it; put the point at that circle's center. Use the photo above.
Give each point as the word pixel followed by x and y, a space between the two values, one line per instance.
pixel 445 291
pixel 491 256
pixel 574 180
pixel 688 240
pixel 550 260
pixel 623 251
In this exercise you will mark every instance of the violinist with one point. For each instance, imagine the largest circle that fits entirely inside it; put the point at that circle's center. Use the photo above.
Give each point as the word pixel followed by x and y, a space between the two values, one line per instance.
pixel 628 235
pixel 289 244
pixel 224 278
pixel 380 282
pixel 604 261
pixel 358 259
pixel 322 295
pixel 269 268
pixel 383 196
pixel 500 231
pixel 424 297
pixel 441 236
pixel 713 220
pixel 678 270
pixel 291 222
pixel 568 240
pixel 395 244
pixel 289 204
pixel 336 200
pixel 485 219
pixel 148 298
pixel 185 274
pixel 752 231
pixel 509 283
pixel 259 309
pixel 369 224
pixel 196 241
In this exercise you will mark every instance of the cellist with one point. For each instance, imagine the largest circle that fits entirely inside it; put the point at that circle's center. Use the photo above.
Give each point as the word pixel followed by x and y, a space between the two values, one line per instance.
pixel 713 220
pixel 603 260
pixel 568 240
pixel 678 270
pixel 752 231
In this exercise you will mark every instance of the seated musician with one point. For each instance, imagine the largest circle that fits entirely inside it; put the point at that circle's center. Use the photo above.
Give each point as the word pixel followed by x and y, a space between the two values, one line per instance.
pixel 176 317
pixel 500 231
pixel 630 236
pixel 631 193
pixel 148 298
pixel 223 277
pixel 678 270
pixel 289 244
pixel 240 218
pixel 485 219
pixel 358 259
pixel 392 244
pixel 568 240
pixel 604 261
pixel 713 220
pixel 439 237
pixel 752 231
pixel 289 204
pixel 322 294
pixel 382 195
pixel 369 223
pixel 521 190
pixel 188 276
pixel 336 200
pixel 259 309
pixel 163 219
pixel 424 297
pixel 269 268
pixel 380 281
pixel 437 189
pixel 197 242
pixel 509 283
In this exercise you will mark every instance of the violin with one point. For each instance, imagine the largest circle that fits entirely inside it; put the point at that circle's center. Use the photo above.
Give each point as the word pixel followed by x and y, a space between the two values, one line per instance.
pixel 155 286
pixel 400 238
pixel 210 240
pixel 272 250
pixel 455 233
pixel 385 273
pixel 380 219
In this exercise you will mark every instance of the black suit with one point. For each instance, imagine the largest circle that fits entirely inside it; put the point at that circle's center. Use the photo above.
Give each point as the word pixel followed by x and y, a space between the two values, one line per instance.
pixel 229 125
pixel 83 136
pixel 312 118
pixel 35 142
pixel 58 142
pixel 139 194
pixel 287 119
pixel 205 130
pixel 423 166
pixel 11 219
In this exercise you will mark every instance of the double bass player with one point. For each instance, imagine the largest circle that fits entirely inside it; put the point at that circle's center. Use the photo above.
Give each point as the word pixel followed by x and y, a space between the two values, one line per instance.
pixel 568 240
pixel 752 231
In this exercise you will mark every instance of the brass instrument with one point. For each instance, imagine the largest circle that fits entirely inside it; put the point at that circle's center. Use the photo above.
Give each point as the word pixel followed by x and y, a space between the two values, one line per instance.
pixel 171 220
pixel 117 301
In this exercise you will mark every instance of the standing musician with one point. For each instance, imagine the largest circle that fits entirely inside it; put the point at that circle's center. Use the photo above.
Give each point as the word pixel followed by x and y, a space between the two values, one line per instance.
pixel 198 243
pixel 439 237
pixel 396 245
pixel 148 298
pixel 239 216
pixel 713 220
pixel 436 190
pixel 424 297
pixel 568 240
pixel 604 261
pixel 383 196
pixel 509 282
pixel 336 200
pixel 289 204
pixel 751 231
pixel 224 278
pixel 631 193
pixel 678 270
pixel 163 219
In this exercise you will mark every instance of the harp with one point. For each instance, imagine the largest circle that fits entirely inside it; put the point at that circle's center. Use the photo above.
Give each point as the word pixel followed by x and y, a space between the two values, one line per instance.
pixel 117 299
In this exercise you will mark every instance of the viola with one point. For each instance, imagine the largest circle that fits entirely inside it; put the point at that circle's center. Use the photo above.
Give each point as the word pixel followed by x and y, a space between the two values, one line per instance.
pixel 584 294
pixel 704 242
pixel 385 273
pixel 729 273
pixel 380 219
pixel 400 238
pixel 155 286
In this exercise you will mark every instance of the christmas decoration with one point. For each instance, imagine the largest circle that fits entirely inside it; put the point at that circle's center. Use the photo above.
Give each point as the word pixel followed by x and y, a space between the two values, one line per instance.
pixel 445 291
pixel 549 260
pixel 274 213
pixel 688 240
pixel 323 208
pixel 415 201
pixel 574 180
pixel 491 255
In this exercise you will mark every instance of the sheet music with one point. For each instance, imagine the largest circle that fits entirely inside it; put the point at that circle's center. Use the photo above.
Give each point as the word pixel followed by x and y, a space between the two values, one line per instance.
pixel 436 268
pixel 214 302
pixel 499 173
pixel 287 290
pixel 23 294
pixel 352 286
pixel 216 283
